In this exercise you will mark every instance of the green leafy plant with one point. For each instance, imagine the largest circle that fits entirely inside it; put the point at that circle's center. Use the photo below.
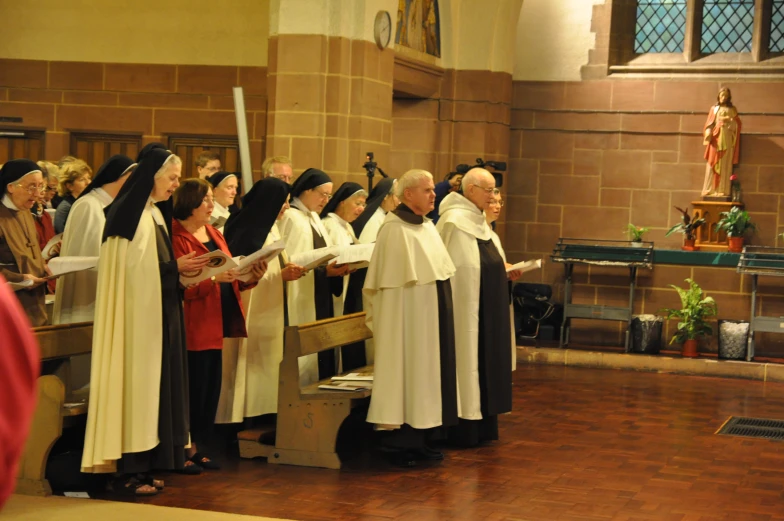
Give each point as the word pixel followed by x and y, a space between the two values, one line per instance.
pixel 636 232
pixel 692 317
pixel 687 226
pixel 736 222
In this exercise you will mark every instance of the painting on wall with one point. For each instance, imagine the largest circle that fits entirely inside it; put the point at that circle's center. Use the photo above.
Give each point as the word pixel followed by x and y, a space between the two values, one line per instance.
pixel 418 26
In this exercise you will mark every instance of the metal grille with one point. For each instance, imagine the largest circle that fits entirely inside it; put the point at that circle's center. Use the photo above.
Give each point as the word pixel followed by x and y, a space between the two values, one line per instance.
pixel 661 26
pixel 753 428
pixel 777 27
pixel 727 26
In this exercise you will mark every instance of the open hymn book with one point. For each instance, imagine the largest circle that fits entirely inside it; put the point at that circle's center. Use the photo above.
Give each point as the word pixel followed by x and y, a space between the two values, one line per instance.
pixel 347 386
pixel 314 258
pixel 219 262
pixel 357 256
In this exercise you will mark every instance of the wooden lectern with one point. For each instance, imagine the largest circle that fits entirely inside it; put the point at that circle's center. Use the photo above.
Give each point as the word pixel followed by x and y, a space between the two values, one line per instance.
pixel 708 239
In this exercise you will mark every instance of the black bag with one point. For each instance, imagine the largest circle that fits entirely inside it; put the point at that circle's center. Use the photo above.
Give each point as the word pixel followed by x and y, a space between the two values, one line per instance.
pixel 533 310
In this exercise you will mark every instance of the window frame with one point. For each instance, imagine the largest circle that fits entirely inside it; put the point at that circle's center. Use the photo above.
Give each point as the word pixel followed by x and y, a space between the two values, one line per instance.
pixel 623 59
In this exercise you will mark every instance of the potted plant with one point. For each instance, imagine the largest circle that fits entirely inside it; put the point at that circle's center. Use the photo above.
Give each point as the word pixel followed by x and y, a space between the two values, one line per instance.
pixel 635 234
pixel 736 223
pixel 688 226
pixel 692 318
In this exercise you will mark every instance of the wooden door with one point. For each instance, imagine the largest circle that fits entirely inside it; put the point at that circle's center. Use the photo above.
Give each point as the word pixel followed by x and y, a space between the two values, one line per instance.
pixel 18 143
pixel 95 148
pixel 188 147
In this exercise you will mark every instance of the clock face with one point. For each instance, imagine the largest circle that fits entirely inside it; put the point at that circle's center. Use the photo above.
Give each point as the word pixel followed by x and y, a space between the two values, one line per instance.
pixel 382 29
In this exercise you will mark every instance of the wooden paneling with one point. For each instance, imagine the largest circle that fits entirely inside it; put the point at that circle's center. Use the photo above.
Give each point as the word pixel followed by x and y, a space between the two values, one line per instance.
pixel 188 147
pixel 95 148
pixel 21 144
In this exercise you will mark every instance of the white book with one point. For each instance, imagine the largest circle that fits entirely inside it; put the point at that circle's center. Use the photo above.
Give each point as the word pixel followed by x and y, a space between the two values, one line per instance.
pixel 218 263
pixel 356 256
pixel 60 266
pixel 347 386
pixel 54 241
pixel 526 266
pixel 314 258
pixel 267 253
pixel 354 377
pixel 19 286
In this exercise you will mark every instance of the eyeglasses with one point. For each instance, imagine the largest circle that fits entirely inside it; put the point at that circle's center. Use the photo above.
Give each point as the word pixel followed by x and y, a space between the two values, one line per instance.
pixel 498 203
pixel 323 195
pixel 211 168
pixel 488 190
pixel 33 188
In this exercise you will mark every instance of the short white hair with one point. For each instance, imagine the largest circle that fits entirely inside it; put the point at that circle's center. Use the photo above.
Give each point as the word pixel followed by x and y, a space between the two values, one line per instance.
pixel 473 177
pixel 172 160
pixel 411 179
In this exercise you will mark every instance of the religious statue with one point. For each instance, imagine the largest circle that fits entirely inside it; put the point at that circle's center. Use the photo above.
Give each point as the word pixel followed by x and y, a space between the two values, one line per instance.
pixel 721 137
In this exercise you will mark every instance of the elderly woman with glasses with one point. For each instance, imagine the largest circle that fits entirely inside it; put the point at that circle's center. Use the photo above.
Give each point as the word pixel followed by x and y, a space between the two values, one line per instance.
pixel 310 297
pixel 21 185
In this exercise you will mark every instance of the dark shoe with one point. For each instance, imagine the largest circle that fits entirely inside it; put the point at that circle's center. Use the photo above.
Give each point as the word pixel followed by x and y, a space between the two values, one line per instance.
pixel 191 470
pixel 204 462
pixel 147 479
pixel 401 458
pixel 131 487
pixel 428 454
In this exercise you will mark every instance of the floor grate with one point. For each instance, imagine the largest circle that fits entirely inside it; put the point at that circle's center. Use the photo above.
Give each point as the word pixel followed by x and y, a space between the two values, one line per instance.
pixel 753 428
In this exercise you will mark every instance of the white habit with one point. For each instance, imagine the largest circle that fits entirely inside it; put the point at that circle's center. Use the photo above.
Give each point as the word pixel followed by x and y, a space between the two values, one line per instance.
pixel 341 234
pixel 401 302
pixel 127 349
pixel 250 384
pixel 296 228
pixel 370 231
pixel 460 224
pixel 74 300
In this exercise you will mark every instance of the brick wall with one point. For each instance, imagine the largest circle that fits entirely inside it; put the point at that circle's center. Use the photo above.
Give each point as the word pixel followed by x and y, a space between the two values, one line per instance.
pixel 154 100
pixel 590 157
pixel 468 119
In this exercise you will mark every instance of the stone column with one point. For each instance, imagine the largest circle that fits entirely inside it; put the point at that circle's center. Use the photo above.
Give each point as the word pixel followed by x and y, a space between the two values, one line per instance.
pixel 329 89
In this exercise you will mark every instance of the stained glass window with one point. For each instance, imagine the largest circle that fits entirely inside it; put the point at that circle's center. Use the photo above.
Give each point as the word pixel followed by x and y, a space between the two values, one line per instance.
pixel 727 26
pixel 660 26
pixel 777 27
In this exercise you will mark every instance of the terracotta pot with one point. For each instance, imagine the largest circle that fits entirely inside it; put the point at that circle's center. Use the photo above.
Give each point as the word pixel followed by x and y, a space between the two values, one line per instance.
pixel 735 244
pixel 688 245
pixel 689 349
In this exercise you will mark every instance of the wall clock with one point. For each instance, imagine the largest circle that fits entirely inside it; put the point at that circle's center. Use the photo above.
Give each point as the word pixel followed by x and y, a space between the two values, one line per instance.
pixel 382 29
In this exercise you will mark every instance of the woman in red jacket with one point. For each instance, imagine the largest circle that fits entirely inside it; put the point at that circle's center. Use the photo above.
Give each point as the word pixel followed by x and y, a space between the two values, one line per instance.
pixel 213 309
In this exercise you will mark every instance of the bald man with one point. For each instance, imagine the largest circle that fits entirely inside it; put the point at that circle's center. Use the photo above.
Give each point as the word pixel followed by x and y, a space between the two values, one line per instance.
pixel 481 296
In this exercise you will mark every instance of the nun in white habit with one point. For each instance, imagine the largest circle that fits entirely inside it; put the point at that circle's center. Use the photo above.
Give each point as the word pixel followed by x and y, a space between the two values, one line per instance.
pixel 382 199
pixel 74 300
pixel 310 298
pixel 251 366
pixel 224 191
pixel 342 210
pixel 137 417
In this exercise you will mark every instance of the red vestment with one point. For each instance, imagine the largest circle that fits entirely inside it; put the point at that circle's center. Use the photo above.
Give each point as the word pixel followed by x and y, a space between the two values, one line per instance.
pixel 19 368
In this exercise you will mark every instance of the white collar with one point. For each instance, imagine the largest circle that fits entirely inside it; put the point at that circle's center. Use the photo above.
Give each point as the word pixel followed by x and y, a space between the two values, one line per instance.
pixel 464 214
pixel 102 196
pixel 220 210
pixel 8 203
pixel 344 224
pixel 315 220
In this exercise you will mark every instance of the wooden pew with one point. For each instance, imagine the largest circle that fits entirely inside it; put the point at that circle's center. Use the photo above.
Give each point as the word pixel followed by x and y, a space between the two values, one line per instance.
pixel 309 418
pixel 57 343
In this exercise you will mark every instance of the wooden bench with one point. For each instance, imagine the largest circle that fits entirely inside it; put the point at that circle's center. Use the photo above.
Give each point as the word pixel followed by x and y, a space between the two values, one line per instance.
pixel 309 418
pixel 57 343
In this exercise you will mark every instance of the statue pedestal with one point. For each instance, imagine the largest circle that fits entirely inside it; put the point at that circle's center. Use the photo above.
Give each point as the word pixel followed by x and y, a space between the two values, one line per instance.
pixel 708 239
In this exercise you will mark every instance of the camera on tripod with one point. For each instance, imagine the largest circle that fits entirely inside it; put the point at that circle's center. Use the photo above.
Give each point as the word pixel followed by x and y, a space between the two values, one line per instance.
pixel 499 166
pixel 371 166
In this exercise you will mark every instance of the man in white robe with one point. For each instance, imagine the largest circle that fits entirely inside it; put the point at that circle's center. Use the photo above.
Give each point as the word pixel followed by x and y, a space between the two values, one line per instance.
pixel 483 330
pixel 408 303
pixel 74 299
